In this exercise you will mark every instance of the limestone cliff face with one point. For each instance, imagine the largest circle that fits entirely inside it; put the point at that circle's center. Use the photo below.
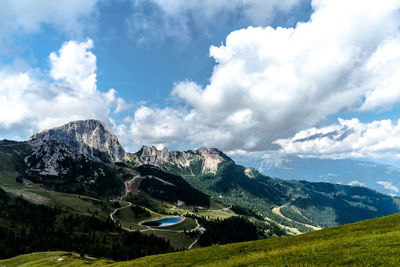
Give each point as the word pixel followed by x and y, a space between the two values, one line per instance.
pixel 151 156
pixel 91 138
pixel 53 158
pixel 199 161
pixel 212 158
pixel 80 141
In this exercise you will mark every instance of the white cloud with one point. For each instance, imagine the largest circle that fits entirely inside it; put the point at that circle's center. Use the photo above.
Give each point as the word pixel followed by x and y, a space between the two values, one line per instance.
pixel 348 138
pixel 156 127
pixel 31 104
pixel 388 185
pixel 384 85
pixel 269 83
pixel 75 65
pixel 28 16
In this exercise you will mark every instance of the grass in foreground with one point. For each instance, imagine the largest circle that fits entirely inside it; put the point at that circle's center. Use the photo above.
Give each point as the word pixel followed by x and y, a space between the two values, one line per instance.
pixel 177 240
pixel 52 259
pixel 374 242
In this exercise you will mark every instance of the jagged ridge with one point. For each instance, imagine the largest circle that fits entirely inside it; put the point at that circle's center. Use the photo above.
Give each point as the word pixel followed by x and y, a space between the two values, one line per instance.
pixel 208 170
pixel 204 160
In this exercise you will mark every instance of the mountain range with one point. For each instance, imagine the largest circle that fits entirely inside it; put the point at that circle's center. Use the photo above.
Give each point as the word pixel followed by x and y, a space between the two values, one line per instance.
pixel 79 152
pixel 320 204
pixel 204 186
pixel 380 177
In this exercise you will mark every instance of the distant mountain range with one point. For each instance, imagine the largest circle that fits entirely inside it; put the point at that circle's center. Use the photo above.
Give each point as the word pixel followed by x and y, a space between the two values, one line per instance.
pixel 85 157
pixel 302 204
pixel 95 195
pixel 382 178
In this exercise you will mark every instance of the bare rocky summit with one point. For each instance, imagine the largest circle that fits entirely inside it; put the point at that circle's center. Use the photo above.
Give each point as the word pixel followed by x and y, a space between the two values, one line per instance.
pixel 204 160
pixel 84 140
pixel 53 158
pixel 91 138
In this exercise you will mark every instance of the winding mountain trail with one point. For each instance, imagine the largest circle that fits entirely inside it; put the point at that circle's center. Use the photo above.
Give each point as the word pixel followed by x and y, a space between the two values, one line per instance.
pixel 128 188
pixel 120 208
pixel 195 229
pixel 117 209
pixel 148 228
pixel 191 245
pixel 127 206
pixel 277 211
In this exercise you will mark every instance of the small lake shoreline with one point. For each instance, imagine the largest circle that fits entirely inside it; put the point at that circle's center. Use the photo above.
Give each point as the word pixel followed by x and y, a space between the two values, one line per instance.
pixel 162 222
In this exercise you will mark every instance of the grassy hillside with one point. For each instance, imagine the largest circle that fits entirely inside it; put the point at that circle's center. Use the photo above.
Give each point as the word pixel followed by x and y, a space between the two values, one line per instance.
pixel 72 217
pixel 370 243
pixel 26 227
pixel 83 221
pixel 79 179
pixel 170 187
pixel 375 242
pixel 305 206
pixel 317 204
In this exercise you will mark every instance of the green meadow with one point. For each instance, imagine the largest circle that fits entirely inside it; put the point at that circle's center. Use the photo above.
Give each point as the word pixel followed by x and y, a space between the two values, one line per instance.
pixel 374 242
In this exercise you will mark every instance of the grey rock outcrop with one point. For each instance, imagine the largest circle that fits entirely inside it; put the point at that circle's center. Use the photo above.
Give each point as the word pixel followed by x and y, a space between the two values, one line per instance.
pixel 91 138
pixel 53 158
pixel 205 160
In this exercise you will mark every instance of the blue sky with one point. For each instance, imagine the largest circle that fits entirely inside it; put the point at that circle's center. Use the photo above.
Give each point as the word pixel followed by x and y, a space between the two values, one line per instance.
pixel 246 76
pixel 142 64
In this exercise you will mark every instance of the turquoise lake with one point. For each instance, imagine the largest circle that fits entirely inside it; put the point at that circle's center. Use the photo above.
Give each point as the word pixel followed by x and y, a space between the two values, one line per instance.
pixel 163 222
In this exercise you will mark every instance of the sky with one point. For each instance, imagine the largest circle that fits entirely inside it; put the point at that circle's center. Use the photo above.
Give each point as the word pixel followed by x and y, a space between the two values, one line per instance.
pixel 315 78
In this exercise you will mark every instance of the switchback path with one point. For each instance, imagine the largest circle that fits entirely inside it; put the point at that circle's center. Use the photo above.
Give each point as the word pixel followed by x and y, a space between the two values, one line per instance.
pixel 117 209
pixel 148 228
pixel 277 211
pixel 191 245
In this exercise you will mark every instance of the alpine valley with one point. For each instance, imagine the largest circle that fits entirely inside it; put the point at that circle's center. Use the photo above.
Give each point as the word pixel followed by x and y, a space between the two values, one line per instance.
pixel 74 188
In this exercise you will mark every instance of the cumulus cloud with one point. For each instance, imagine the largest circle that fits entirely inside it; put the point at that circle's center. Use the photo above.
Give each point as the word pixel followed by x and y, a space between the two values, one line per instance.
pixel 348 138
pixel 28 16
pixel 388 185
pixel 75 65
pixel 156 126
pixel 70 93
pixel 269 83
pixel 384 84
pixel 163 19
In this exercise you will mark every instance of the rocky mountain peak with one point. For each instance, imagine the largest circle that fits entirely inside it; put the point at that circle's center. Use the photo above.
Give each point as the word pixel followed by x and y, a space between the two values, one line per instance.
pixel 152 156
pixel 149 150
pixel 91 138
pixel 165 152
pixel 212 158
pixel 164 159
pixel 209 151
